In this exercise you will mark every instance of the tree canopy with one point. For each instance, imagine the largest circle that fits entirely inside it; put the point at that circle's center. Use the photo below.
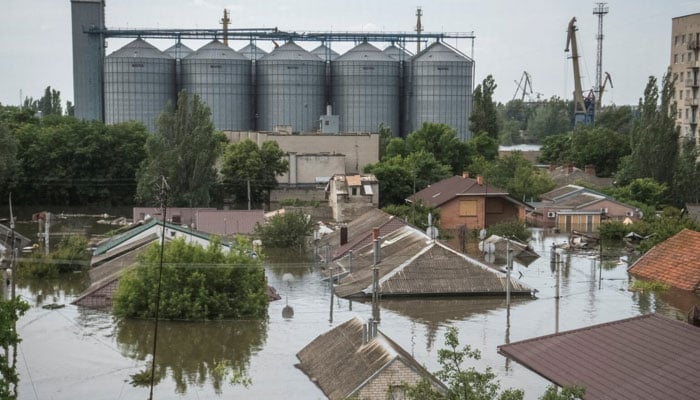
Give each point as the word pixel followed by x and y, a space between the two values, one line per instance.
pixel 288 230
pixel 484 116
pixel 245 163
pixel 184 150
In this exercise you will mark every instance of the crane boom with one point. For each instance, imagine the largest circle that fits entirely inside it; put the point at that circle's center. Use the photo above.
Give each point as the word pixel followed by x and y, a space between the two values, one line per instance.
pixel 579 105
pixel 602 87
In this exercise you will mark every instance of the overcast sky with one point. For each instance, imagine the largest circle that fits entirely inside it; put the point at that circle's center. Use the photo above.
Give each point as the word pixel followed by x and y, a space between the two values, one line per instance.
pixel 512 36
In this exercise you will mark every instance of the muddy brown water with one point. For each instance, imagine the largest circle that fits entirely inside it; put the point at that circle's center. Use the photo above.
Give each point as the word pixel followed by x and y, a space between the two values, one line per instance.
pixel 77 353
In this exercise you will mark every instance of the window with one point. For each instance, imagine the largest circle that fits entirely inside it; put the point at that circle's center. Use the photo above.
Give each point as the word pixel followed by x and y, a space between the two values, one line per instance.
pixel 681 75
pixel 397 392
pixel 467 208
pixel 686 113
pixel 690 56
pixel 675 40
pixel 683 39
pixel 682 58
pixel 354 191
pixel 680 92
pixel 675 58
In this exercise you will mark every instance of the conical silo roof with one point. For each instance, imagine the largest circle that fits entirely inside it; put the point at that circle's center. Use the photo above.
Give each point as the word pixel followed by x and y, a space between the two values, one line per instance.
pixel 139 48
pixel 290 51
pixel 252 52
pixel 322 51
pixel 216 50
pixel 397 53
pixel 178 50
pixel 364 52
pixel 438 52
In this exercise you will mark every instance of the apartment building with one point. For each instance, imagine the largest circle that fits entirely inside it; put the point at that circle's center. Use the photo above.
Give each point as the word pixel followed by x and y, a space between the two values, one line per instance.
pixel 685 46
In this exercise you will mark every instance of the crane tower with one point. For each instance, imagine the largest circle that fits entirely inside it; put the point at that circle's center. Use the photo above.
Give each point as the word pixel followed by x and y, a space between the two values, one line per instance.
pixel 600 10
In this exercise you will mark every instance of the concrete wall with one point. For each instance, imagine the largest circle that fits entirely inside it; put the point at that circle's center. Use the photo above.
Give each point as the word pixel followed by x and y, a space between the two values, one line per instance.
pixel 359 149
pixel 308 193
pixel 304 168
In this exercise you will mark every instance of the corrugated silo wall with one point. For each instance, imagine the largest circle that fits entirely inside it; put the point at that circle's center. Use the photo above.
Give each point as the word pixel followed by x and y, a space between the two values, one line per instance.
pixel 290 93
pixel 88 59
pixel 225 86
pixel 440 93
pixel 366 94
pixel 138 89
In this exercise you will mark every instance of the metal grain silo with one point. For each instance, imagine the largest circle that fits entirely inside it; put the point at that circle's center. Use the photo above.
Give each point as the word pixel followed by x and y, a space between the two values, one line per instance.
pixel 290 89
pixel 221 78
pixel 325 53
pixel 178 51
pixel 439 89
pixel 365 90
pixel 397 53
pixel 139 83
pixel 252 52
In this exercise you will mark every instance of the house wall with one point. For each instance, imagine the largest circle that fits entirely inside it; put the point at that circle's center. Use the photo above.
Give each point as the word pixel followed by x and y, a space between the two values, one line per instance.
pixel 304 168
pixel 359 149
pixel 175 215
pixel 395 374
pixel 498 210
pixel 578 222
pixel 311 193
pixel 615 211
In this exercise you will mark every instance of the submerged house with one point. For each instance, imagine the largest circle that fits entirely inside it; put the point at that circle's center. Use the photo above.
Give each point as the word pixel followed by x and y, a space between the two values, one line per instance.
pixel 352 195
pixel 467 203
pixel 410 263
pixel 674 262
pixel 356 360
pixel 641 358
pixel 574 207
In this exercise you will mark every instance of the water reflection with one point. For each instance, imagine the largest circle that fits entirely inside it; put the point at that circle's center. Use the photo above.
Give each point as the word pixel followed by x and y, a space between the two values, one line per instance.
pixel 59 290
pixel 194 352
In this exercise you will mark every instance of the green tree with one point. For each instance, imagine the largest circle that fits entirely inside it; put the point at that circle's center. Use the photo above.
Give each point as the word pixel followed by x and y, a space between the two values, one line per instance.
pixel 8 156
pixel 686 182
pixel 10 311
pixel 483 145
pixel 654 136
pixel 48 104
pixel 183 150
pixel 442 142
pixel 618 119
pixel 642 190
pixel 196 283
pixel 415 214
pixel 556 149
pixel 289 230
pixel 513 117
pixel 515 174
pixel 549 118
pixel 484 116
pixel 566 393
pixel 600 147
pixel 246 164
pixel 385 136
pixel 71 255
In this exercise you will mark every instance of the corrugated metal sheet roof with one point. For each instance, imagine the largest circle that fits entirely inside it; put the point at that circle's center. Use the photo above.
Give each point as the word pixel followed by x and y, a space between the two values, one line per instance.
pixel 361 239
pixel 447 189
pixel 229 222
pixel 290 51
pixel 674 261
pixel 322 51
pixel 216 50
pixel 340 363
pixel 438 52
pixel 396 53
pixel 359 226
pixel 252 52
pixel 178 50
pixel 645 357
pixel 364 52
pixel 561 192
pixel 139 48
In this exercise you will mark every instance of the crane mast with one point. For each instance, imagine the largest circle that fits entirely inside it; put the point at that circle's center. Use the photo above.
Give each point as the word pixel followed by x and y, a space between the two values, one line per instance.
pixel 581 112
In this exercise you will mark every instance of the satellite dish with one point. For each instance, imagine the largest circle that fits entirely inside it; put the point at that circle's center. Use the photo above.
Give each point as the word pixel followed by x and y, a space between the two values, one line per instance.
pixel 287 312
pixel 432 232
pixel 488 248
pixel 482 234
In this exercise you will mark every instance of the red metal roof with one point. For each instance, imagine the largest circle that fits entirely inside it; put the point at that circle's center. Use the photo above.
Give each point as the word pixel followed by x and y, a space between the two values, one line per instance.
pixel 674 261
pixel 645 357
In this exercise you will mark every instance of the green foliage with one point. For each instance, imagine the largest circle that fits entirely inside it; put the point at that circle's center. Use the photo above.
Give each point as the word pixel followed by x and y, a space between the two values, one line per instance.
pixel 483 145
pixel 9 164
pixel 288 230
pixel 617 119
pixel 71 255
pixel 549 118
pixel 686 180
pixel 513 117
pixel 642 190
pixel 654 136
pixel 415 214
pixel 10 311
pixel 299 203
pixel 196 284
pixel 513 228
pixel 515 174
pixel 442 142
pixel 566 393
pixel 484 116
pixel 600 147
pixel 648 286
pixel 48 104
pixel 184 151
pixel 613 230
pixel 556 149
pixel 385 136
pixel 244 162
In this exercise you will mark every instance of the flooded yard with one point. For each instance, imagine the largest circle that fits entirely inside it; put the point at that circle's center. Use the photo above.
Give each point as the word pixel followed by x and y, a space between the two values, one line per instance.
pixel 77 353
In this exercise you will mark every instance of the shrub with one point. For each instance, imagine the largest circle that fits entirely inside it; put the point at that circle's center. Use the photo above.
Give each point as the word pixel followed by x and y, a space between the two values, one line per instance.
pixel 513 228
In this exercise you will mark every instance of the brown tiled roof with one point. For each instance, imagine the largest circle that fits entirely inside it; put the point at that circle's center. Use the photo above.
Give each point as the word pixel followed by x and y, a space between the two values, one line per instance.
pixel 358 226
pixel 674 261
pixel 362 239
pixel 447 189
pixel 340 363
pixel 229 222
pixel 413 265
pixel 645 357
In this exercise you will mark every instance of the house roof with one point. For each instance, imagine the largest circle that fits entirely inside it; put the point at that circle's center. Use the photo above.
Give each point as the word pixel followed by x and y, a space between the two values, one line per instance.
pixel 447 189
pixel 674 261
pixel 413 265
pixel 693 210
pixel 561 192
pixel 6 237
pixel 359 226
pixel 645 357
pixel 361 239
pixel 229 222
pixel 340 363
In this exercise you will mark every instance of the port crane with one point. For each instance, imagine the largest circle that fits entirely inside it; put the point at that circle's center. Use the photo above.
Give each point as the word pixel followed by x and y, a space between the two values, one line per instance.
pixel 523 85
pixel 583 107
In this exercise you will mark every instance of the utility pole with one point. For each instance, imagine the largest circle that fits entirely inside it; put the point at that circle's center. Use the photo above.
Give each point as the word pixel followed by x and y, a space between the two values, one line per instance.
pixel 13 260
pixel 419 27
pixel 600 10
pixel 248 187
pixel 163 197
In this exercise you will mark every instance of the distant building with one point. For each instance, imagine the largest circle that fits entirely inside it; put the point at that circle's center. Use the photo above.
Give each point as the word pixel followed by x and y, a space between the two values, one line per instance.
pixel 569 174
pixel 573 207
pixel 206 220
pixel 470 203
pixel 685 66
pixel 674 262
pixel 350 196
pixel 355 360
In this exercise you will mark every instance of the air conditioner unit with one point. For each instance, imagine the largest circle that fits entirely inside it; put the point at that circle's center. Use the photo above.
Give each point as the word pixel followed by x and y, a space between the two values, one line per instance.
pixel 630 213
pixel 551 214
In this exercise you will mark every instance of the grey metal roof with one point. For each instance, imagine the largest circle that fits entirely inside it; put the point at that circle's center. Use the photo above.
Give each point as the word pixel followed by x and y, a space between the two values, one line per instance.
pixel 396 53
pixel 139 48
pixel 322 50
pixel 290 51
pixel 438 52
pixel 645 357
pixel 364 52
pixel 216 50
pixel 178 50
pixel 252 52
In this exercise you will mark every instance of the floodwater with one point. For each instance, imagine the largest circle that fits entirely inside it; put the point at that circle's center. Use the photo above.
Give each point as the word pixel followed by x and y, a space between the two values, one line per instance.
pixel 77 353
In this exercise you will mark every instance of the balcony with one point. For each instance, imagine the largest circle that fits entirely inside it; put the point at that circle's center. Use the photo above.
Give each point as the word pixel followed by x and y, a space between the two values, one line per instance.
pixel 691 83
pixel 693 45
pixel 691 102
pixel 694 65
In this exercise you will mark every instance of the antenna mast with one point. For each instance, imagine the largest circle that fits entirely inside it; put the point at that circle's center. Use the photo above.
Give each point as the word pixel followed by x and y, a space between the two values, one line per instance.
pixel 419 27
pixel 600 10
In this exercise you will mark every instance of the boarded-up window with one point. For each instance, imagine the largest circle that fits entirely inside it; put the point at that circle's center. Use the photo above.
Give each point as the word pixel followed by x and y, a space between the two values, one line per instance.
pixel 467 208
